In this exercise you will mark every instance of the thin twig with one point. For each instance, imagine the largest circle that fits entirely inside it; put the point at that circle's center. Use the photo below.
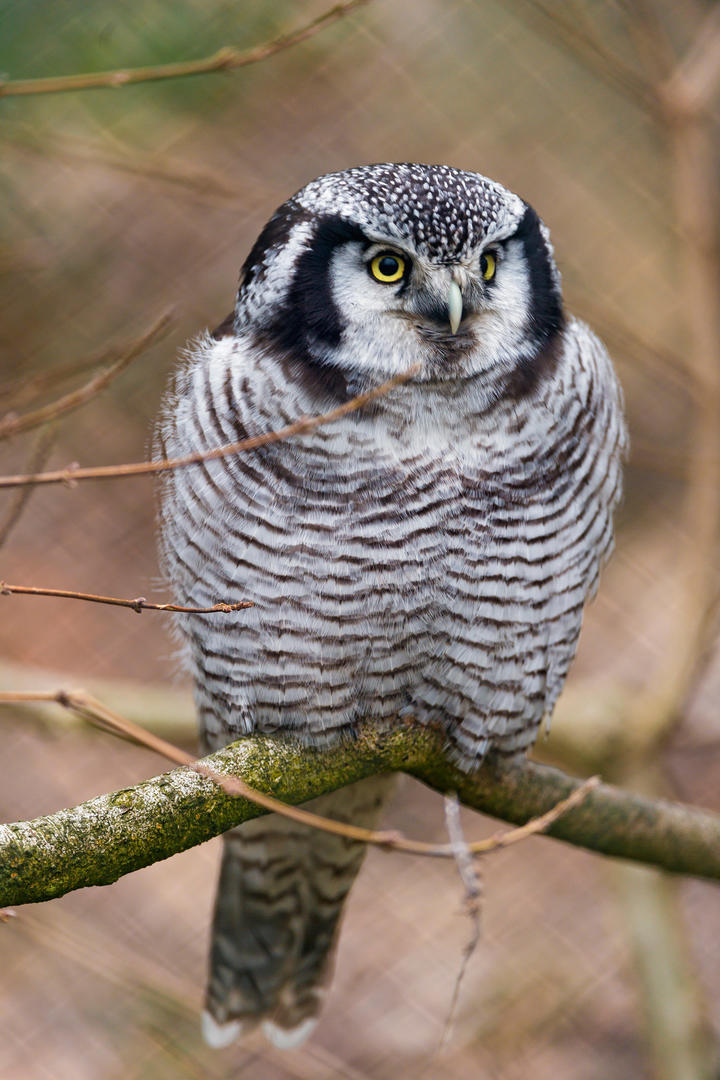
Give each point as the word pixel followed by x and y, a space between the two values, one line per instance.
pixel 19 502
pixel 538 824
pixel 226 59
pixel 390 840
pixel 139 604
pixel 13 425
pixel 73 473
pixel 471 882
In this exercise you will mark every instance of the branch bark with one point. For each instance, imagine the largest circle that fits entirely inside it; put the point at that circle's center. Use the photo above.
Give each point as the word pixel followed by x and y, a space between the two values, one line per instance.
pixel 109 836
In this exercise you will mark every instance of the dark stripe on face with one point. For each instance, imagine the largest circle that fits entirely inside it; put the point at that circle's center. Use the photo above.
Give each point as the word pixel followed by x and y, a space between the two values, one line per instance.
pixel 273 237
pixel 546 316
pixel 546 311
pixel 309 323
pixel 310 317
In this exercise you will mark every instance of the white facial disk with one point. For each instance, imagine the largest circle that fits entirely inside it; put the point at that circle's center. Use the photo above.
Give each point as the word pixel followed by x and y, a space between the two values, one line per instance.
pixel 381 267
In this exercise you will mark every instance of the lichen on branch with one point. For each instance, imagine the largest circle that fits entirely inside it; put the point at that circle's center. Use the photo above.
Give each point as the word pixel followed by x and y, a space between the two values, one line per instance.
pixel 109 836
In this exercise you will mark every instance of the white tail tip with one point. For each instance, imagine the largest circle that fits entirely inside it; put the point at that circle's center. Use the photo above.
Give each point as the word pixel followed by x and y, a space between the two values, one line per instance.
pixel 219 1035
pixel 288 1038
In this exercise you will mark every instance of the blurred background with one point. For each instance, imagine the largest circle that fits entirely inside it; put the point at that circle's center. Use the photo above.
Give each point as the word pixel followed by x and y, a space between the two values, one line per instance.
pixel 120 204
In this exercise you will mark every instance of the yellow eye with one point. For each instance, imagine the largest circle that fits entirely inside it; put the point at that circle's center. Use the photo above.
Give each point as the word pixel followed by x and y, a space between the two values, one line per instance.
pixel 487 266
pixel 387 268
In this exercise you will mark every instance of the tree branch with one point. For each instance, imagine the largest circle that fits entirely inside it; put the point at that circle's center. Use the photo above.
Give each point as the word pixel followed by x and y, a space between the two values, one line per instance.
pixel 109 836
pixel 225 59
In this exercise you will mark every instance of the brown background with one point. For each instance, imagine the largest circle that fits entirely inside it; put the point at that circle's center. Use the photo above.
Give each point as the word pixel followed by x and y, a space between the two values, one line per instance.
pixel 119 204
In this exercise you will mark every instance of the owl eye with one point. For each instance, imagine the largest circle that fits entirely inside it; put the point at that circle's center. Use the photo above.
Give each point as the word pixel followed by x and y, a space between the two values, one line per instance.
pixel 487 265
pixel 387 268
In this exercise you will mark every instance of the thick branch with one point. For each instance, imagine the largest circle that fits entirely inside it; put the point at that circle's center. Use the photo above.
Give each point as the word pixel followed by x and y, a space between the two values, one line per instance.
pixel 112 835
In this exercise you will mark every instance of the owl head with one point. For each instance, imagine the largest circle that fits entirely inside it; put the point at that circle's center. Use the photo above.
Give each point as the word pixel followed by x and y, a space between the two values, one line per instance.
pixel 366 272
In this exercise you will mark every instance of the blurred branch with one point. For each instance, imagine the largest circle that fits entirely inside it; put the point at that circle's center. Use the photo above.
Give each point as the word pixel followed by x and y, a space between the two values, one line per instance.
pixel 228 58
pixel 18 504
pixel 198 182
pixel 651 38
pixel 16 391
pixel 622 338
pixel 679 1036
pixel 676 1022
pixel 99 841
pixel 588 49
pixel 73 473
pixel 696 78
pixel 13 425
pixel 160 708
pixel 139 604
pixel 678 1032
pixel 685 96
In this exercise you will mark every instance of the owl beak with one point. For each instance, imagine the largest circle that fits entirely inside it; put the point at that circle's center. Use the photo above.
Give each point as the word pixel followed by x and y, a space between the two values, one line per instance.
pixel 455 306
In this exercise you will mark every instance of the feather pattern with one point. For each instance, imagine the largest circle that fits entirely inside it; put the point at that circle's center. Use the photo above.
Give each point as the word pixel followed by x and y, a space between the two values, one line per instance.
pixel 430 553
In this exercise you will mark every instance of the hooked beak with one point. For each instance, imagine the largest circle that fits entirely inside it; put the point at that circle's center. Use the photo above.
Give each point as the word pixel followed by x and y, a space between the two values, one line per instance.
pixel 455 306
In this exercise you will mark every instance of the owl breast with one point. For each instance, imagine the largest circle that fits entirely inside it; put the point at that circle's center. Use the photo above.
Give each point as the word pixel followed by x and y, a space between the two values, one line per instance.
pixel 426 557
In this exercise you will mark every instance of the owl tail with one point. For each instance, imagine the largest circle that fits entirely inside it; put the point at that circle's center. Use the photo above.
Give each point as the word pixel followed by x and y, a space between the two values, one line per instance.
pixel 277 912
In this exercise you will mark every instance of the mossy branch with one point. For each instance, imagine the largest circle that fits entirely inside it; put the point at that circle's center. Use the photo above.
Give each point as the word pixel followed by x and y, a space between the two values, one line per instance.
pixel 100 840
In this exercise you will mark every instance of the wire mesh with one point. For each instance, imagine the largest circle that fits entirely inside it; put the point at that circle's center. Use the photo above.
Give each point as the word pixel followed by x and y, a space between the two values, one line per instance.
pixel 119 204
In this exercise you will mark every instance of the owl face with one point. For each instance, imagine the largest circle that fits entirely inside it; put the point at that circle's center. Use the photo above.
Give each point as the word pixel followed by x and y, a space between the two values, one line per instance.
pixel 369 271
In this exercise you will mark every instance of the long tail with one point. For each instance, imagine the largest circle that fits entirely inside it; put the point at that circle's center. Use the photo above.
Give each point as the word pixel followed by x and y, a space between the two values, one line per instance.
pixel 277 911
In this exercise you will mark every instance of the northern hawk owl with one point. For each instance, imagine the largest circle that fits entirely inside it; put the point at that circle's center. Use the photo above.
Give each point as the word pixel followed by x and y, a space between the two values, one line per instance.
pixel 428 554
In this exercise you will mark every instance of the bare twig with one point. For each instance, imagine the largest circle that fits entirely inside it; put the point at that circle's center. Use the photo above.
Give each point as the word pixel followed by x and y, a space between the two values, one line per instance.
pixel 538 824
pixel 18 504
pixel 139 604
pixel 13 425
pixel 471 882
pixel 73 473
pixel 93 710
pixel 226 59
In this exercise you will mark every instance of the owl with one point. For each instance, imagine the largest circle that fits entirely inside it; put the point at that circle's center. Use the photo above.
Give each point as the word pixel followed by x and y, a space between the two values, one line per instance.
pixel 428 554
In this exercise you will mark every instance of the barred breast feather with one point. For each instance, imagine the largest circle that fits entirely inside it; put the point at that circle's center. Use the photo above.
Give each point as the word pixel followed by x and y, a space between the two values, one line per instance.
pixel 431 553
pixel 424 555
